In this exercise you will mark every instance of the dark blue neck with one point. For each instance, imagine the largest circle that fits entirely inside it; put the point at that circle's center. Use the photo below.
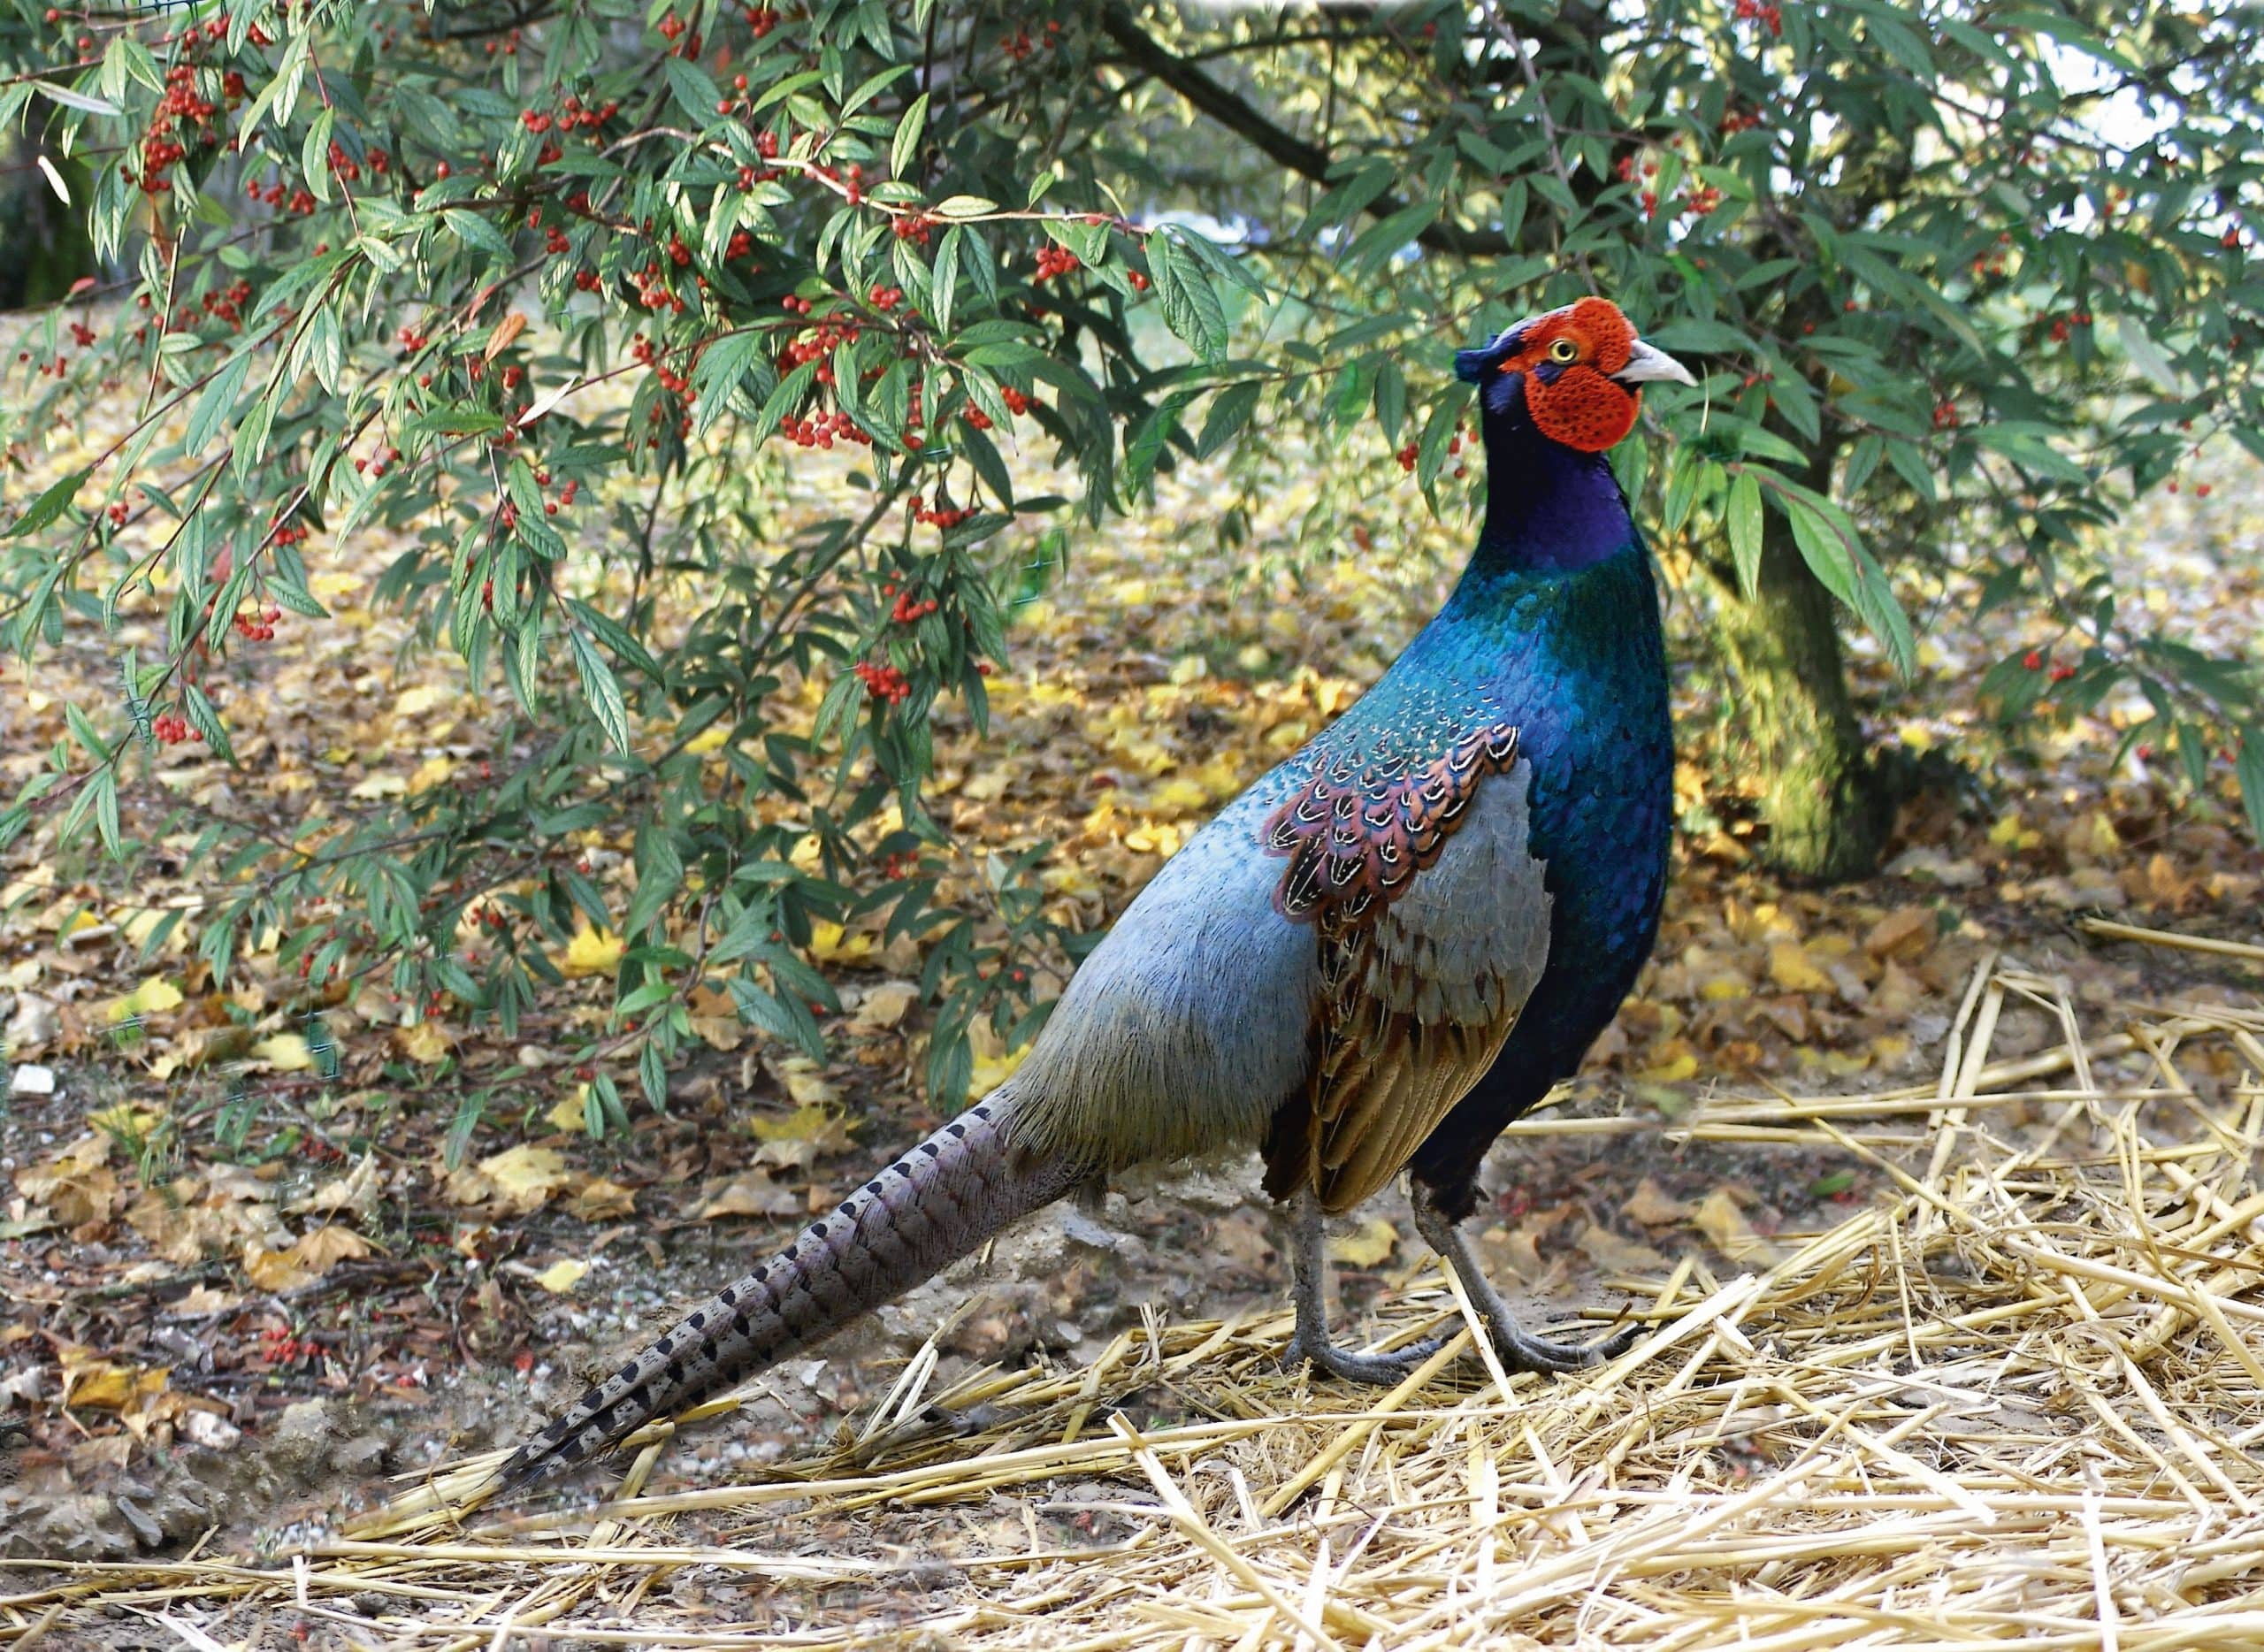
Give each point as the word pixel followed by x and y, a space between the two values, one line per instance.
pixel 1549 508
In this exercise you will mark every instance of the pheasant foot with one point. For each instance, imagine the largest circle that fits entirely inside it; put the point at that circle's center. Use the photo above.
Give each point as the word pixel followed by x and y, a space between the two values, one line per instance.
pixel 1519 1349
pixel 1310 1345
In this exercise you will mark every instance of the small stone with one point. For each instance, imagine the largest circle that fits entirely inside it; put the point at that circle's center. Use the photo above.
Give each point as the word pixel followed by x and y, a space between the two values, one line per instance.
pixel 213 1433
pixel 29 1080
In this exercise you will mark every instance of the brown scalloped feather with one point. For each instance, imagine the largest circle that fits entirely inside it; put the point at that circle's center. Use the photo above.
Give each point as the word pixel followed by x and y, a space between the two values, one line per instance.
pixel 1356 838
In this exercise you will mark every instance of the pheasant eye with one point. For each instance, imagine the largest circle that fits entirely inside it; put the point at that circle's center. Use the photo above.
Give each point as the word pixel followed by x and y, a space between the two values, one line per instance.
pixel 1563 351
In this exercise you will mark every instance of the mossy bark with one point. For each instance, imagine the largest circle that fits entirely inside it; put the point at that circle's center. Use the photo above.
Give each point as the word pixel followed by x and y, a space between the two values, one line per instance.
pixel 1827 813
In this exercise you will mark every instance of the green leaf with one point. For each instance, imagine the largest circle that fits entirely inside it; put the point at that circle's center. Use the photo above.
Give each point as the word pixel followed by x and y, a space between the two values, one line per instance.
pixel 905 148
pixel 50 504
pixel 1230 410
pixel 1190 303
pixel 1744 522
pixel 600 689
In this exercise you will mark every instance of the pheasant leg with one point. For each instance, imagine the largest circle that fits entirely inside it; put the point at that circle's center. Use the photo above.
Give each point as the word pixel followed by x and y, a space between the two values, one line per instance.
pixel 1520 1349
pixel 1309 1285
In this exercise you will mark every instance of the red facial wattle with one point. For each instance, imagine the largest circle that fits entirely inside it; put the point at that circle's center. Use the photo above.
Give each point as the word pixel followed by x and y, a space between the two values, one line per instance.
pixel 1582 408
pixel 1574 401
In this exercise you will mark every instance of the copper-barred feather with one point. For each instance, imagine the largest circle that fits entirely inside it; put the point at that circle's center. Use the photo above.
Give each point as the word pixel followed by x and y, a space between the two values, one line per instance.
pixel 932 1207
pixel 1355 837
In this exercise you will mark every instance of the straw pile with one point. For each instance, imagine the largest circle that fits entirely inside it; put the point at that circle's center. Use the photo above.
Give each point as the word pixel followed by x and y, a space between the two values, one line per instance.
pixel 2013 1403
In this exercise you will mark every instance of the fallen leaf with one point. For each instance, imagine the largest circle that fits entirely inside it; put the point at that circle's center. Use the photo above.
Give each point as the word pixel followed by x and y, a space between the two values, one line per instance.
pixel 561 1276
pixel 357 1191
pixel 801 1137
pixel 751 1193
pixel 592 952
pixel 286 1052
pixel 1792 969
pixel 525 1176
pixel 990 1071
pixel 1368 1245
pixel 599 1200
pixel 1615 1254
pixel 883 1006
pixel 153 996
pixel 1653 1207
pixel 804 1084
pixel 1726 1227
pixel 427 1044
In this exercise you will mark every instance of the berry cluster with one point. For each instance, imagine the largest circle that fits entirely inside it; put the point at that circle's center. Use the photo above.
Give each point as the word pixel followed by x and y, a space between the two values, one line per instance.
pixel 1019 45
pixel 884 682
pixel 162 147
pixel 258 624
pixel 943 516
pixel 280 1348
pixel 760 19
pixel 171 728
pixel 1944 416
pixel 822 430
pixel 917 227
pixel 2062 324
pixel 1739 120
pixel 910 610
pixel 1407 457
pixel 1016 401
pixel 1773 18
pixel 1055 259
pixel 275 195
pixel 885 298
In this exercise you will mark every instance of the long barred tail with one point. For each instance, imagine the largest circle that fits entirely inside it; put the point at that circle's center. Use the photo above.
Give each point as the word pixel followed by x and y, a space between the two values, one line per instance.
pixel 926 1211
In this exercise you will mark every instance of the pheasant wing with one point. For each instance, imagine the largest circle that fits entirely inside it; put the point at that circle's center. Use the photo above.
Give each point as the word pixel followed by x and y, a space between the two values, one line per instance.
pixel 1433 924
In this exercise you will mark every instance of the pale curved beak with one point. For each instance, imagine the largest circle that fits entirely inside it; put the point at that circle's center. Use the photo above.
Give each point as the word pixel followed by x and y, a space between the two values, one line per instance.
pixel 1648 366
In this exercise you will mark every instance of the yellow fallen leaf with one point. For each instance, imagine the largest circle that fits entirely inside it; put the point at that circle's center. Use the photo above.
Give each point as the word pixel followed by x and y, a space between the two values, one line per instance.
pixel 990 1071
pixel 379 786
pixel 431 773
pixel 153 996
pixel 286 1052
pixel 710 739
pixel 526 1175
pixel 805 1085
pixel 570 1113
pixel 426 1042
pixel 1181 796
pixel 1368 1245
pixel 561 1276
pixel 1792 969
pixel 801 1137
pixel 415 702
pixel 1719 1218
pixel 594 952
pixel 100 1385
pixel 599 1200
pixel 830 944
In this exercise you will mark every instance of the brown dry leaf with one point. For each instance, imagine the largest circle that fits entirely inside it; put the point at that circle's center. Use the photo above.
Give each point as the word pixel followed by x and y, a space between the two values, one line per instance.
pixel 76 1186
pixel 1615 1254
pixel 1653 1207
pixel 599 1200
pixel 1726 1227
pixel 327 1247
pixel 356 1191
pixel 750 1193
pixel 1906 933
pixel 1368 1245
pixel 716 1019
pixel 885 1005
pixel 506 329
pixel 275 1270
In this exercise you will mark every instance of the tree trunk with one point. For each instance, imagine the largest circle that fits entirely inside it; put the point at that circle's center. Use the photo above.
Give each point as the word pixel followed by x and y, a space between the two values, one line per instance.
pixel 1827 814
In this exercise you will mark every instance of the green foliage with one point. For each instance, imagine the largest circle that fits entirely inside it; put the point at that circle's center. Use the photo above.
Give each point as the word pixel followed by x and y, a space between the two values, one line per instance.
pixel 553 299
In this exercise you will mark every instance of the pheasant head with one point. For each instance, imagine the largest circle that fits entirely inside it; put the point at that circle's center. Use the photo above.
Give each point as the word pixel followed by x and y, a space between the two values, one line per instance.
pixel 1574 375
